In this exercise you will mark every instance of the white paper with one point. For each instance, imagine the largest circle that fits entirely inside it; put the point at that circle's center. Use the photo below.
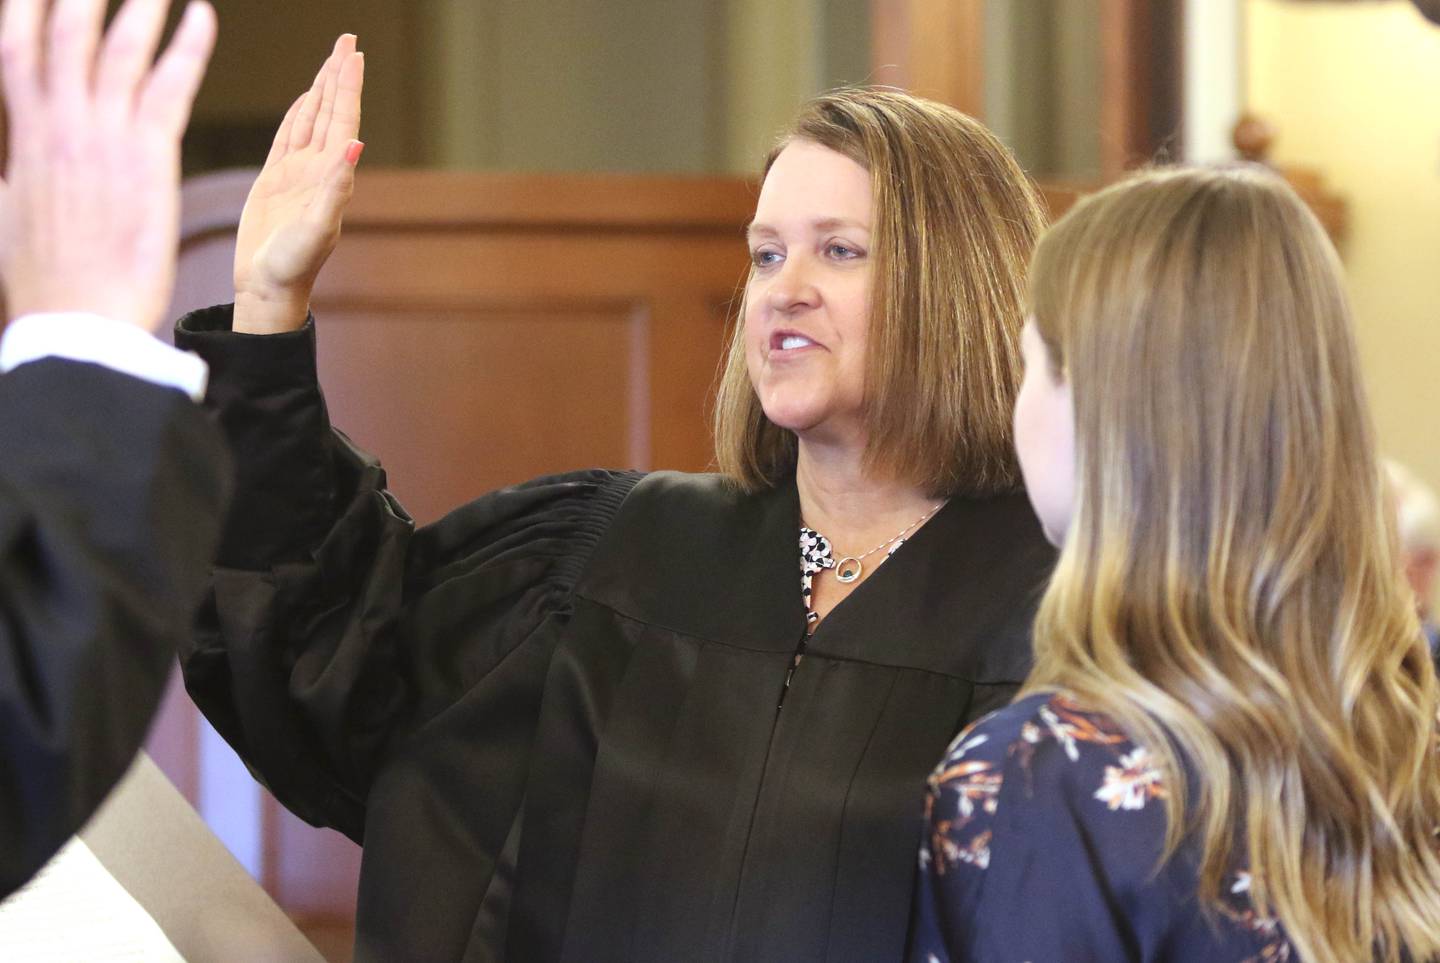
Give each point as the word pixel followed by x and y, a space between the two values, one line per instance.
pixel 75 910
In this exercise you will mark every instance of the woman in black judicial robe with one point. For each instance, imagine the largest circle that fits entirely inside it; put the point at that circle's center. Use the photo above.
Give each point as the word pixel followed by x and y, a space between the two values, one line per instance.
pixel 611 716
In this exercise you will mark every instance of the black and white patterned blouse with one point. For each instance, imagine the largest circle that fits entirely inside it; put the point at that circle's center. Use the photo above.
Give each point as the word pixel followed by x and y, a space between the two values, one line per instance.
pixel 816 555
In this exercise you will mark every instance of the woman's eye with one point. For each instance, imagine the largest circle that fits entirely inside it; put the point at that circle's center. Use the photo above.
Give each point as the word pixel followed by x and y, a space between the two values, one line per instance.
pixel 764 257
pixel 843 252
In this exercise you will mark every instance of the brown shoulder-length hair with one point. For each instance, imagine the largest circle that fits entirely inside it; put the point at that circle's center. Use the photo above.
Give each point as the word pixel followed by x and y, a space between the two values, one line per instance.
pixel 956 220
pixel 1229 588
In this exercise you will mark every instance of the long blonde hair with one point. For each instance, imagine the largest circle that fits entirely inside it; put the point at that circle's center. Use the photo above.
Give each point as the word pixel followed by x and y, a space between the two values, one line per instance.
pixel 956 221
pixel 1229 589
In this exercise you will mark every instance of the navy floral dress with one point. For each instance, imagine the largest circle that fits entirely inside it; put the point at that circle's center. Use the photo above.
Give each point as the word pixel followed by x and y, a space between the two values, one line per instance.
pixel 1045 824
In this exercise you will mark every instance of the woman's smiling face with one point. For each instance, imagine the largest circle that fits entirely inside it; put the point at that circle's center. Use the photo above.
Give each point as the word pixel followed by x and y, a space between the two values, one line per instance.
pixel 807 302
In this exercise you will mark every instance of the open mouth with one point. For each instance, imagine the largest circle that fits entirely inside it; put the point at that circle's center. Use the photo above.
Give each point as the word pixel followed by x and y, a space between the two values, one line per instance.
pixel 790 341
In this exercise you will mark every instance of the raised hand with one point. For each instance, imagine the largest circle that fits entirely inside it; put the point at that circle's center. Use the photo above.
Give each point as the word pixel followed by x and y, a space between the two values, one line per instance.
pixel 90 202
pixel 292 217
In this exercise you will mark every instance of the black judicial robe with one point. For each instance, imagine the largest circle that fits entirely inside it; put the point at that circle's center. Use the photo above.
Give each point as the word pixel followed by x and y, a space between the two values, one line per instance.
pixel 551 717
pixel 111 498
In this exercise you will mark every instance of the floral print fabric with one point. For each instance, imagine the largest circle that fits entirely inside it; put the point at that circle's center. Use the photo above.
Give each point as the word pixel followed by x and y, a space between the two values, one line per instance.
pixel 1044 828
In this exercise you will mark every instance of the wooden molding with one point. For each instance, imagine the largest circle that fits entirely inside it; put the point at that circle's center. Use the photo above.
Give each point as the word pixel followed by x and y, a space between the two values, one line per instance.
pixel 492 200
pixel 934 48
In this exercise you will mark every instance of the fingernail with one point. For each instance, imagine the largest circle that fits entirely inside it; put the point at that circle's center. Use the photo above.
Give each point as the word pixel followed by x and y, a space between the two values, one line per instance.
pixel 353 152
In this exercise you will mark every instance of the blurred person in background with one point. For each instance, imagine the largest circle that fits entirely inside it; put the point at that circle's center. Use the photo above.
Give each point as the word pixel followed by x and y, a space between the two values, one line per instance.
pixel 1417 512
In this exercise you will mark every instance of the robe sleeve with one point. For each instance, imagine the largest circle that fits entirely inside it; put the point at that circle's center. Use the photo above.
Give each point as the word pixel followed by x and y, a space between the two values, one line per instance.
pixel 335 626
pixel 111 499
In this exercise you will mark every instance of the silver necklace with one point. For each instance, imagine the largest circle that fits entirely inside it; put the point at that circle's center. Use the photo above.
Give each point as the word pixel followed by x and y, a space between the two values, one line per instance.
pixel 849 568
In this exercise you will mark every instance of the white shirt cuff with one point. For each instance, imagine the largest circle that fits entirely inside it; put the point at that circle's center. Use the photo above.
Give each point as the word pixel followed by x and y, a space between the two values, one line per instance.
pixel 77 336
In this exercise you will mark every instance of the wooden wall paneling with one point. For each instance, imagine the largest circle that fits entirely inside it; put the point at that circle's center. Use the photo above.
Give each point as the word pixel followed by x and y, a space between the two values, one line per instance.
pixel 509 391
pixel 1124 103
pixel 1141 83
pixel 1059 198
pixel 934 48
pixel 312 874
pixel 686 335
pixel 174 736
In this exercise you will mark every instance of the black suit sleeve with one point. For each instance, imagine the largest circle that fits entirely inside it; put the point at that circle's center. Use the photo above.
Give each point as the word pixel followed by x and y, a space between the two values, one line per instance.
pixel 111 492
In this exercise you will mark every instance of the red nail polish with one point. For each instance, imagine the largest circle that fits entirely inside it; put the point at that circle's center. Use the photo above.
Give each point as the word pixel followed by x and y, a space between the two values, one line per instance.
pixel 353 152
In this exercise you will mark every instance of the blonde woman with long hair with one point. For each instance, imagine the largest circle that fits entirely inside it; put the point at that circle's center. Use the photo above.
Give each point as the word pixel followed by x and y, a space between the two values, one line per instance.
pixel 1227 749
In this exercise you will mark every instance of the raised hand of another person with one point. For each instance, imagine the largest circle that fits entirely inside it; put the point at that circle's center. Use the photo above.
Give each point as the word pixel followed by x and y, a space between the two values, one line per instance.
pixel 292 217
pixel 90 204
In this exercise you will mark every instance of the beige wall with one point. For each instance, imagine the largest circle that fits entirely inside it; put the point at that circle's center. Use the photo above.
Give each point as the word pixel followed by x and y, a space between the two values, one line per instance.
pixel 1355 92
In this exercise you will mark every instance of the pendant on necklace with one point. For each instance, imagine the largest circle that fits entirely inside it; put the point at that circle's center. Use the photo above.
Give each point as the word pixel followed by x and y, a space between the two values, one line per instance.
pixel 848 569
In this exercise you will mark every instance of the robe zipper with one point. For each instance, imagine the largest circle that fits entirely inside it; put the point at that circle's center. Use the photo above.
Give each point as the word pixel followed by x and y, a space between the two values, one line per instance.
pixel 790 672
